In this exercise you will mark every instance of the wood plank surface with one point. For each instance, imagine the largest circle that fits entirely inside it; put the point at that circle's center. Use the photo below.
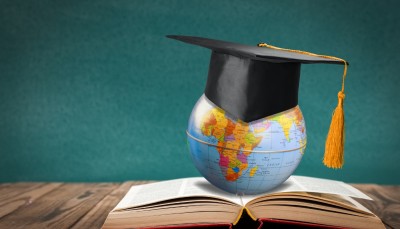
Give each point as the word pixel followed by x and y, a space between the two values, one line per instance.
pixel 86 205
pixel 386 204
pixel 61 208
pixel 95 218
pixel 22 195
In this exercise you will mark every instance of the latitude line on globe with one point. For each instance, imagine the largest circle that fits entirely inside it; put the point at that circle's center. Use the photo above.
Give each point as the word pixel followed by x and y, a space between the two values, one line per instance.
pixel 243 150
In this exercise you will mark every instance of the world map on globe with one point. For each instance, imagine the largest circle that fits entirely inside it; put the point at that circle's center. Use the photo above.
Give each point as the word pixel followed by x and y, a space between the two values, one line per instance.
pixel 245 158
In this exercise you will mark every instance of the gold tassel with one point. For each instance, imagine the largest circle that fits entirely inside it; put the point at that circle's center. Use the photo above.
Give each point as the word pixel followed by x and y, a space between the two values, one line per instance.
pixel 334 146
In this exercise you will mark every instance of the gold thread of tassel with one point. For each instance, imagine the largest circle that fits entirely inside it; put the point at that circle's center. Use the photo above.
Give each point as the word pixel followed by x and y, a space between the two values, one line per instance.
pixel 334 146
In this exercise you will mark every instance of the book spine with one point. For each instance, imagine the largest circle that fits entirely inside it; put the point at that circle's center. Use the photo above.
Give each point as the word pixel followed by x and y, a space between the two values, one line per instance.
pixel 241 214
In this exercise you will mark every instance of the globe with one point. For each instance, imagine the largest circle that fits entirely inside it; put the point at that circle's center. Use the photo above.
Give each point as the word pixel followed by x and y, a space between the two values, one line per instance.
pixel 245 158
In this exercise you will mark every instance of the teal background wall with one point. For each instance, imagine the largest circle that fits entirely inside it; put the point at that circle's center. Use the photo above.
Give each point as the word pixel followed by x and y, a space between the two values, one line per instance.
pixel 93 91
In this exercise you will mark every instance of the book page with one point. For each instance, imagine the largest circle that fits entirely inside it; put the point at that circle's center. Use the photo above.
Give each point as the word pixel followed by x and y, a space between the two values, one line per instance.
pixel 310 184
pixel 179 188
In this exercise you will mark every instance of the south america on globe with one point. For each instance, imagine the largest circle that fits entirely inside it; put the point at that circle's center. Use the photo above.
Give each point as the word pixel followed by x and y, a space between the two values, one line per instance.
pixel 246 133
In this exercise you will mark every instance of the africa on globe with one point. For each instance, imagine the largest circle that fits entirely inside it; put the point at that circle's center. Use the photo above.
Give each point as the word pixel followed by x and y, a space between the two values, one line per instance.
pixel 245 158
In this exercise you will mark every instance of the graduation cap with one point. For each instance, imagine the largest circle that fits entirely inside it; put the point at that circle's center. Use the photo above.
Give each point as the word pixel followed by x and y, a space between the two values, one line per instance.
pixel 253 82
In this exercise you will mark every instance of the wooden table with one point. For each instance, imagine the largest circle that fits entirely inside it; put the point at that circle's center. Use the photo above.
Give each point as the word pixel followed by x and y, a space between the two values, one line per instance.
pixel 86 205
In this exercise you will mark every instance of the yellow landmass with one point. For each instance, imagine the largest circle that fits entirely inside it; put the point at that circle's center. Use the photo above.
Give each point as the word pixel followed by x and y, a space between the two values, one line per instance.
pixel 219 133
pixel 233 145
pixel 240 131
pixel 253 170
pixel 248 146
pixel 214 123
pixel 302 143
pixel 250 138
pixel 207 130
pixel 285 121
pixel 235 163
pixel 219 115
pixel 242 167
pixel 259 130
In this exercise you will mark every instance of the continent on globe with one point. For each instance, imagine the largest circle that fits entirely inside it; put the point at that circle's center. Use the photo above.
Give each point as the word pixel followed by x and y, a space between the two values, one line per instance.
pixel 235 142
pixel 287 120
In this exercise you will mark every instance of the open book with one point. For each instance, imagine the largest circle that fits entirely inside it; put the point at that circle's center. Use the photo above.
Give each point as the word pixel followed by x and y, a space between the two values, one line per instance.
pixel 194 201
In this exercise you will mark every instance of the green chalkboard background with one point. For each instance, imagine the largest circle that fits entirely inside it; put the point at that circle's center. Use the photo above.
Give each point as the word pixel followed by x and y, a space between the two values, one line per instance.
pixel 93 91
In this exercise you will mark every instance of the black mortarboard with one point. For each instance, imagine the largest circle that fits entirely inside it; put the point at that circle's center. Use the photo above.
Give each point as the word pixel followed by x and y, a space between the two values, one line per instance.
pixel 253 82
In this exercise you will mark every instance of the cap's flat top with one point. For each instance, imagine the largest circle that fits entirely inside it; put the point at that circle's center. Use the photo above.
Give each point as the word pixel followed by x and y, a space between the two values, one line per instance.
pixel 253 52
